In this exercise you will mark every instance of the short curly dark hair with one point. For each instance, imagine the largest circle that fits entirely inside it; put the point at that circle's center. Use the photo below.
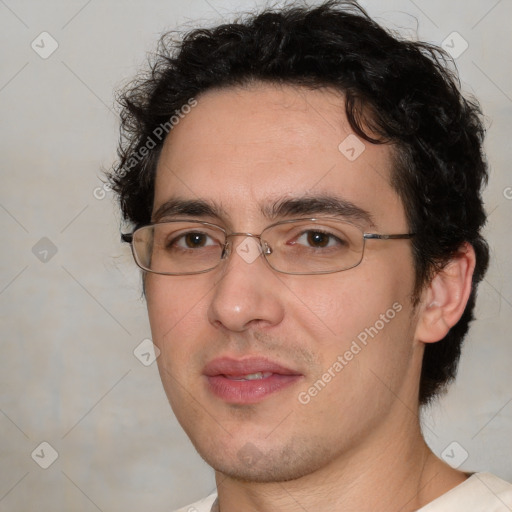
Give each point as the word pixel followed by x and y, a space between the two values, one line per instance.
pixel 396 91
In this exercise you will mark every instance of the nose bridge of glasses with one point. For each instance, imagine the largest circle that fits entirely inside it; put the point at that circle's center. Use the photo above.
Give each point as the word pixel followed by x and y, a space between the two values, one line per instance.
pixel 241 234
pixel 265 248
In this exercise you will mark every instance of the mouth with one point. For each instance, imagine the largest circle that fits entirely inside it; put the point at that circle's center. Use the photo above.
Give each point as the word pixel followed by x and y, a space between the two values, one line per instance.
pixel 249 380
pixel 251 376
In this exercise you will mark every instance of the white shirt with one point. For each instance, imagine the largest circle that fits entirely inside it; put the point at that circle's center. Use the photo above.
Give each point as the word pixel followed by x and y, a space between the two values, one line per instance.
pixel 481 492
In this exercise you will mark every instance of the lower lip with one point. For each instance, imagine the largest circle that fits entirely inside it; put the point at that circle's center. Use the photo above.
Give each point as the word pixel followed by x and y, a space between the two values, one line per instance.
pixel 249 391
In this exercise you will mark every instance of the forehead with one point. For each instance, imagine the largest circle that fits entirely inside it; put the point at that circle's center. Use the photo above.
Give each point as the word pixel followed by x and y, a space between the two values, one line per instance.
pixel 245 149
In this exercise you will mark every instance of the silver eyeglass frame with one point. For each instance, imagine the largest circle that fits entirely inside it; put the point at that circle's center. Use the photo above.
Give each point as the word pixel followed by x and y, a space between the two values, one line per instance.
pixel 265 248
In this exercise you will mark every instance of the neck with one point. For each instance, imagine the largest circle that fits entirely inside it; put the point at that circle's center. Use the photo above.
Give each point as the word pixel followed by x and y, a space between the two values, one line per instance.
pixel 388 474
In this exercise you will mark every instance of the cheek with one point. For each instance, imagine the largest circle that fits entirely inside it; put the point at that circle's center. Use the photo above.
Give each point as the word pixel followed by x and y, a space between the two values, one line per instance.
pixel 172 300
pixel 177 310
pixel 365 319
pixel 342 304
pixel 362 332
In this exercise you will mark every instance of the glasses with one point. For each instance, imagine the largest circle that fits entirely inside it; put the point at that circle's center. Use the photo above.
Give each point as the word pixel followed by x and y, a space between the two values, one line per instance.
pixel 299 246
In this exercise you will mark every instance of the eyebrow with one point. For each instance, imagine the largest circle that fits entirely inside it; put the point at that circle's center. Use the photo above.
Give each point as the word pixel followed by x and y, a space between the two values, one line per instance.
pixel 281 209
pixel 314 205
pixel 189 208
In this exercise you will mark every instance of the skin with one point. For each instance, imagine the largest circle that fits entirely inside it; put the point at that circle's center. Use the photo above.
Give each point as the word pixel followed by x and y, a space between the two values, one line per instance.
pixel 357 444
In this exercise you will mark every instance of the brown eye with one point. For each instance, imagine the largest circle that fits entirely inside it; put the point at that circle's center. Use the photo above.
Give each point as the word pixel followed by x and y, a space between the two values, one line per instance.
pixel 318 239
pixel 194 240
pixel 191 240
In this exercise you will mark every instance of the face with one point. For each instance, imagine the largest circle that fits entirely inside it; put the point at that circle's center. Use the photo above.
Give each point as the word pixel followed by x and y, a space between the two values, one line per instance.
pixel 272 375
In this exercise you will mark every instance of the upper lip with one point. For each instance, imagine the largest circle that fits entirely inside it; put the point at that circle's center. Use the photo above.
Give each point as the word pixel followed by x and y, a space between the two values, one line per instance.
pixel 246 366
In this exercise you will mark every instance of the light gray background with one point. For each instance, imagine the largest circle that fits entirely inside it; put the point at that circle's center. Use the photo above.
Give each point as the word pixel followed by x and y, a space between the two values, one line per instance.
pixel 68 375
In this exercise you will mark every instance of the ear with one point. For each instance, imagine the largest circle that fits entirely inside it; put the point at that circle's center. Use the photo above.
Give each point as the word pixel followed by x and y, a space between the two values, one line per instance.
pixel 445 298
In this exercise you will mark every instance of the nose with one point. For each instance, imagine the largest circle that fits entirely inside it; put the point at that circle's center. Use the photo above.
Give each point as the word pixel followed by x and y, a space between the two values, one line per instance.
pixel 245 295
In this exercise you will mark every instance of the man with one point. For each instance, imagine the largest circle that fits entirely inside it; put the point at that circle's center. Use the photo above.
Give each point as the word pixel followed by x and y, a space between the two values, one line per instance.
pixel 305 191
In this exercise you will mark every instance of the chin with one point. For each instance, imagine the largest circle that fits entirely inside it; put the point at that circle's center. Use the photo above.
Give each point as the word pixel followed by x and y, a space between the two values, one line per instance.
pixel 282 464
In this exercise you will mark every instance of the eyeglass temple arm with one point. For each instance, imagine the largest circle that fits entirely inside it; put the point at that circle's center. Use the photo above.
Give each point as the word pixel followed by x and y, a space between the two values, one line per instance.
pixel 388 237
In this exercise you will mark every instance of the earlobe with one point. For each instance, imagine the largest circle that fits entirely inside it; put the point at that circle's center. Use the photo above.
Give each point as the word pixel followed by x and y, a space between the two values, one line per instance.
pixel 445 298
